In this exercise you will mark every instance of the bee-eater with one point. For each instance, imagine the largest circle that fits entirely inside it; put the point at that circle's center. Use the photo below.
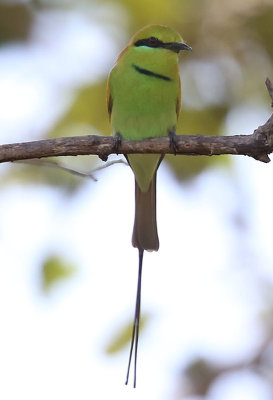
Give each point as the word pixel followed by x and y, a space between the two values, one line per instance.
pixel 143 99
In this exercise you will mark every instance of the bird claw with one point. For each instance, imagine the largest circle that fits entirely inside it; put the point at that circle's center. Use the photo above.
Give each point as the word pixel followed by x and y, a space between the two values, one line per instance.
pixel 117 141
pixel 173 141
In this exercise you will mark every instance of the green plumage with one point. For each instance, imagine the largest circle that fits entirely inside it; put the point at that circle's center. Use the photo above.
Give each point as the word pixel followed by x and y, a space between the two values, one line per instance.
pixel 145 106
pixel 143 98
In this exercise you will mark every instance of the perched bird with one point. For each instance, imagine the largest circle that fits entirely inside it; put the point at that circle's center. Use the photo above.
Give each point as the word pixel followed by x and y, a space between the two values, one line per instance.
pixel 144 99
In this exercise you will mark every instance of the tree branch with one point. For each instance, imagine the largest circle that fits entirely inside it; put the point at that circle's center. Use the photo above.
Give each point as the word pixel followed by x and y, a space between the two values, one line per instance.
pixel 53 164
pixel 258 145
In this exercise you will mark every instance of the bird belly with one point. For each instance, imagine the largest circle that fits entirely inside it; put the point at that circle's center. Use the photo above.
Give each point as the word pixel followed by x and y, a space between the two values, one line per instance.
pixel 144 107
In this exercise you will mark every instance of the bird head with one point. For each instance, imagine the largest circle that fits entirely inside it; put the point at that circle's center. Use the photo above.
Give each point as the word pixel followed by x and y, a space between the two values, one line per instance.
pixel 159 37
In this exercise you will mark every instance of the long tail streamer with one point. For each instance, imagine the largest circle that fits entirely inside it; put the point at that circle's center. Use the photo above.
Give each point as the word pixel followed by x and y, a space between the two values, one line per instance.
pixel 134 340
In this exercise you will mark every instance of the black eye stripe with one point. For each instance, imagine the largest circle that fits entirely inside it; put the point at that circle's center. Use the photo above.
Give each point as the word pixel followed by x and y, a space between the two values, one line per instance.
pixel 153 40
pixel 149 42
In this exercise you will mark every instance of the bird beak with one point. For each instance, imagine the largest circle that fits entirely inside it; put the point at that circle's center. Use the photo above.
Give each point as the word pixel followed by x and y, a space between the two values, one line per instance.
pixel 176 47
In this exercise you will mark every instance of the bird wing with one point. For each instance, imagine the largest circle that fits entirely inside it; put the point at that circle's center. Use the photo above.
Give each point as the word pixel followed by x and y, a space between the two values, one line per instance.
pixel 178 101
pixel 109 100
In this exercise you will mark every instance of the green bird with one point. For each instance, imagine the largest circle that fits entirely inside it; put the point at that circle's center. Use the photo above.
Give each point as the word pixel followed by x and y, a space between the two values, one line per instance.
pixel 144 99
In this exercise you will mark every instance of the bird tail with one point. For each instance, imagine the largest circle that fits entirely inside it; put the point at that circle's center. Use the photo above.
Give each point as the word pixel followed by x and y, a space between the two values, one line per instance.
pixel 135 332
pixel 145 235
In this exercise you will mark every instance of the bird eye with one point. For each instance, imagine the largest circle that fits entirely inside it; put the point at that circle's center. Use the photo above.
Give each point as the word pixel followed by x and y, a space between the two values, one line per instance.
pixel 153 41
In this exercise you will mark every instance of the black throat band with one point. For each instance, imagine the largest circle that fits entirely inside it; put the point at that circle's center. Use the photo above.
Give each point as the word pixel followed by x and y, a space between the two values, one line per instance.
pixel 151 73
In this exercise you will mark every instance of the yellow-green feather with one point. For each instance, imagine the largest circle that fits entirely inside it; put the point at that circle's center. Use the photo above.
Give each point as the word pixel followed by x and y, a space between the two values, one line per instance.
pixel 143 98
pixel 145 106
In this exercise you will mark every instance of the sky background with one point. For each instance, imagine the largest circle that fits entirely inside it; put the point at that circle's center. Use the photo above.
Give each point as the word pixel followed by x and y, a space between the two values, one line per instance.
pixel 207 293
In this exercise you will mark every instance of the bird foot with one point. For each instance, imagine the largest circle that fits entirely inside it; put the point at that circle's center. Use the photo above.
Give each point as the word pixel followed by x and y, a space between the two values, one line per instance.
pixel 173 141
pixel 117 141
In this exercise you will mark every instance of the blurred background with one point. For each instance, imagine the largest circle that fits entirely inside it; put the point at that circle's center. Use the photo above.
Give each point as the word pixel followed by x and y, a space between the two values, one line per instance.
pixel 68 270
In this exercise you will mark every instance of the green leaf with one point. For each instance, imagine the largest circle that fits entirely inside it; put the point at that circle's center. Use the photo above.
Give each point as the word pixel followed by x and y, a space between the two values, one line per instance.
pixel 55 270
pixel 262 24
pixel 15 22
pixel 123 337
pixel 87 114
pixel 206 121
